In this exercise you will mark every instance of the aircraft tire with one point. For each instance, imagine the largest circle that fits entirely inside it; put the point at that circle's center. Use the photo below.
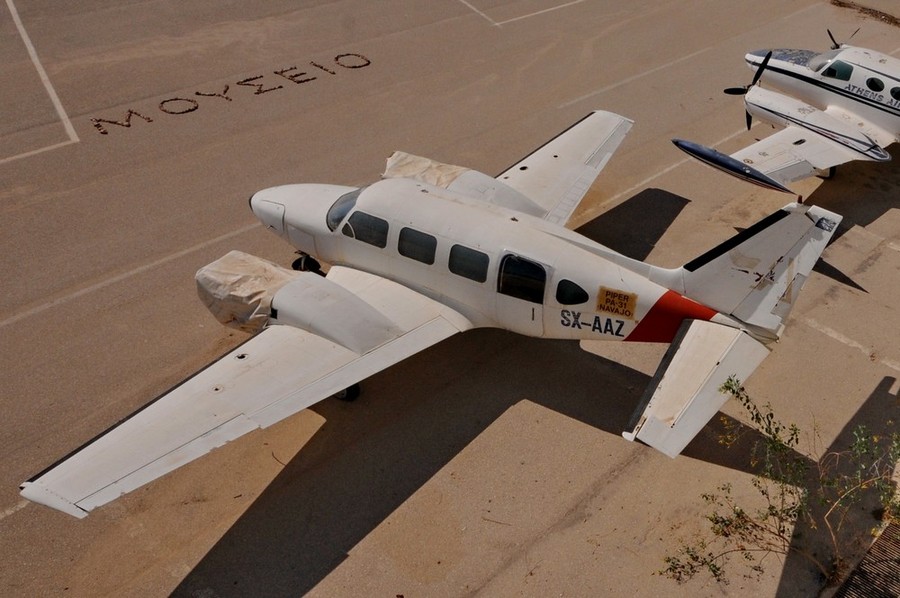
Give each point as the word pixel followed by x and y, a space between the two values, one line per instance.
pixel 306 263
pixel 349 394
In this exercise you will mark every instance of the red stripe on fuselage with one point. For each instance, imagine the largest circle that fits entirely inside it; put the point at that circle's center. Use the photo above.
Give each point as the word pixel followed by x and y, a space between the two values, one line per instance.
pixel 662 321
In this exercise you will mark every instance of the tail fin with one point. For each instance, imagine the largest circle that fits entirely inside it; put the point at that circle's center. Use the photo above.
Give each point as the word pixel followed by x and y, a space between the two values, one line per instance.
pixel 756 275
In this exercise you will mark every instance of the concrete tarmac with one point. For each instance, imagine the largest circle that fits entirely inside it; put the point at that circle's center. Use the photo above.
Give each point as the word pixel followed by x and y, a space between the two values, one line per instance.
pixel 131 136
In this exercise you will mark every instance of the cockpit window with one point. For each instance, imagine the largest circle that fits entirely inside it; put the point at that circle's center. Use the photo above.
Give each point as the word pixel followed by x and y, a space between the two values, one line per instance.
pixel 341 207
pixel 838 70
pixel 817 62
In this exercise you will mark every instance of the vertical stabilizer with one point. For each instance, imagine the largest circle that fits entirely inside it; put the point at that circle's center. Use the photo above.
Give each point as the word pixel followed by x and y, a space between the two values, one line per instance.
pixel 756 275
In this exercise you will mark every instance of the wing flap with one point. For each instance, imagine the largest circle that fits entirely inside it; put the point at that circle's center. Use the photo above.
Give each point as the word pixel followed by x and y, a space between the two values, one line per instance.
pixel 793 154
pixel 279 372
pixel 684 393
pixel 558 174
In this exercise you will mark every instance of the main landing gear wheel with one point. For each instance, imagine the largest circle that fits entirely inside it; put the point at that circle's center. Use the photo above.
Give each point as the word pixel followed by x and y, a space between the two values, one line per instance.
pixel 351 393
pixel 827 174
pixel 307 263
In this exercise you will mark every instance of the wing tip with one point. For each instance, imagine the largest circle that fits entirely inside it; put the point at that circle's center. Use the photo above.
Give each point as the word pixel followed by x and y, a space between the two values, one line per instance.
pixel 42 495
pixel 729 165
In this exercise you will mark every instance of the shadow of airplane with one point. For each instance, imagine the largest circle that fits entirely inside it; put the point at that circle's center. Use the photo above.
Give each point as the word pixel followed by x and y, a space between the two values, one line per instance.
pixel 635 226
pixel 414 418
pixel 878 414
pixel 372 455
pixel 861 191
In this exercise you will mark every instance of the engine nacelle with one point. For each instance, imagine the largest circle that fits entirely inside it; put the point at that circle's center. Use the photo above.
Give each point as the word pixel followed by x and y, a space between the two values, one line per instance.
pixel 238 289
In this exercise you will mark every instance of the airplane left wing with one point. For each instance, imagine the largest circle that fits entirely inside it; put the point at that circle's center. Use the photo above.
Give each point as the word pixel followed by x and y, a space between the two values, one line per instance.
pixel 793 154
pixel 280 371
pixel 812 140
pixel 684 393
pixel 558 174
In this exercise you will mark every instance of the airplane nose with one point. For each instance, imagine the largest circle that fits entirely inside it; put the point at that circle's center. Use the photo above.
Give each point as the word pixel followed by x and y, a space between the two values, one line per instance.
pixel 297 212
pixel 269 212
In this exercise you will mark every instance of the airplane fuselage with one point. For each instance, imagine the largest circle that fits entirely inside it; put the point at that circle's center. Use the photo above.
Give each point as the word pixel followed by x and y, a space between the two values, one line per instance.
pixel 495 266
pixel 857 81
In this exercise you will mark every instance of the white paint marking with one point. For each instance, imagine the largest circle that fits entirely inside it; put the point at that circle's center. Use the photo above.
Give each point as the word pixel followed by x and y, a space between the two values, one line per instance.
pixel 834 334
pixel 601 207
pixel 633 78
pixel 7 512
pixel 38 151
pixel 120 277
pixel 659 68
pixel 540 12
pixel 478 12
pixel 32 53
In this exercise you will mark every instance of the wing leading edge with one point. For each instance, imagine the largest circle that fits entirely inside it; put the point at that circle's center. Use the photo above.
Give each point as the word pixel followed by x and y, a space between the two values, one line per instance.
pixel 279 372
pixel 549 183
pixel 558 174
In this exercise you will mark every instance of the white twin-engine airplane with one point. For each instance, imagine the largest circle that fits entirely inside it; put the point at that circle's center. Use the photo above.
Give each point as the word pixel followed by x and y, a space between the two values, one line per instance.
pixel 845 106
pixel 432 250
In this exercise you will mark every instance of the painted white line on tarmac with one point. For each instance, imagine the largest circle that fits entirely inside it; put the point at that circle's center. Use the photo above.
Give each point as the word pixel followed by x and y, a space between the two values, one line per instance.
pixel 479 13
pixel 38 151
pixel 641 185
pixel 540 12
pixel 32 53
pixel 633 78
pixel 834 334
pixel 7 512
pixel 123 276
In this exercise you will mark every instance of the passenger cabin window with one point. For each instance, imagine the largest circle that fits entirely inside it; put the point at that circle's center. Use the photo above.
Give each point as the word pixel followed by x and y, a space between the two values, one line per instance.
pixel 341 207
pixel 417 245
pixel 875 84
pixel 895 93
pixel 367 228
pixel 838 70
pixel 521 278
pixel 569 293
pixel 468 263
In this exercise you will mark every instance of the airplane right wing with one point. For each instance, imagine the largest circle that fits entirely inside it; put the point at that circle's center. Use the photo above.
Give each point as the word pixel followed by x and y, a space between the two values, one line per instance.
pixel 684 393
pixel 549 183
pixel 366 323
pixel 558 174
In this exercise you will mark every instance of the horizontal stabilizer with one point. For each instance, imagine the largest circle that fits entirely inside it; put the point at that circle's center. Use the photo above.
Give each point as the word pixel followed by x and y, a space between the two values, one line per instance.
pixel 684 393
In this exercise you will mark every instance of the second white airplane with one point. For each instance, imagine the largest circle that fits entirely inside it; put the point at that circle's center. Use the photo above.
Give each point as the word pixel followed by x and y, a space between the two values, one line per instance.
pixel 836 107
pixel 432 250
